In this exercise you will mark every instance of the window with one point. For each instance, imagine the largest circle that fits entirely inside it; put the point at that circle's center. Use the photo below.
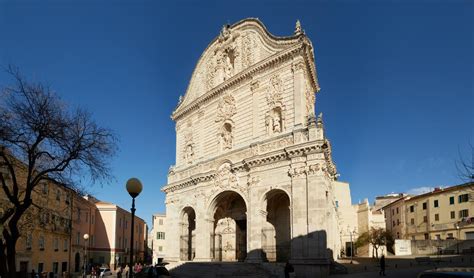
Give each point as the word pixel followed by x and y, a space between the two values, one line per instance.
pixel 412 208
pixel 425 218
pixel 436 204
pixel 453 214
pixel 161 235
pixel 160 222
pixel 451 200
pixel 427 236
pixel 56 244
pixel 393 211
pixel 424 205
pixel 398 222
pixel 412 221
pixel 463 213
pixel 58 195
pixel 55 267
pixel 450 236
pixel 45 188
pixel 78 238
pixel 40 267
pixel 413 238
pixel 438 237
pixel 437 217
pixel 120 222
pixel 41 242
pixel 393 223
pixel 463 198
pixel 397 210
pixel 66 245
pixel 78 214
pixel 160 248
pixel 29 239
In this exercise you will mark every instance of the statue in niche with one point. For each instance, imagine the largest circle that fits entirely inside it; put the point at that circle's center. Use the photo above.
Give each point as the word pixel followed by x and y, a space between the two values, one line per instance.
pixel 273 121
pixel 226 137
pixel 189 153
pixel 276 123
pixel 229 59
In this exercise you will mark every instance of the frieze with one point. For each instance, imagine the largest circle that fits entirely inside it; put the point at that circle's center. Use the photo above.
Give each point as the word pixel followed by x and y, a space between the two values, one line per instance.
pixel 297 172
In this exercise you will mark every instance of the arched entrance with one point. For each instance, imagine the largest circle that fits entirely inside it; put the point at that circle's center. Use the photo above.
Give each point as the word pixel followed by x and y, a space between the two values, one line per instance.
pixel 276 234
pixel 229 234
pixel 187 240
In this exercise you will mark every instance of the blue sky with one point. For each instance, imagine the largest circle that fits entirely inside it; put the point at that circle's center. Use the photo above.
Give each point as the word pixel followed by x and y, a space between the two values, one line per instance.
pixel 396 79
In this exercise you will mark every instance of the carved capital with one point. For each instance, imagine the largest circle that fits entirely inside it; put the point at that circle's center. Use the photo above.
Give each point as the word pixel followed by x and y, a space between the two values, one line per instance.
pixel 254 85
pixel 297 172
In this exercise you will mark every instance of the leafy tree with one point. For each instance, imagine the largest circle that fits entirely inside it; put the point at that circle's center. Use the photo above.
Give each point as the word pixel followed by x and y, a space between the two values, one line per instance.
pixel 42 139
pixel 376 237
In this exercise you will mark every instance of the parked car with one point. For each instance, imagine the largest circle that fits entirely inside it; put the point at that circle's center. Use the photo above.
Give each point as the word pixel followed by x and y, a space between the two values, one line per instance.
pixel 105 272
pixel 158 271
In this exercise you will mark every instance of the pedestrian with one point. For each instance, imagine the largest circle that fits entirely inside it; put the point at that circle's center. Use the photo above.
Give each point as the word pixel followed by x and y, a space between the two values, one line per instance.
pixel 288 269
pixel 119 271
pixel 126 270
pixel 382 266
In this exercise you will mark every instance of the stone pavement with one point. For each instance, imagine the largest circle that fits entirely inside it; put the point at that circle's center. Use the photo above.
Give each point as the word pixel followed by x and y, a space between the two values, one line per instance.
pixel 405 267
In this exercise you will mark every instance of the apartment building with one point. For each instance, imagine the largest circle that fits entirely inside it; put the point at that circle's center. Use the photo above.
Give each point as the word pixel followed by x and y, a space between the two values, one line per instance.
pixel 395 217
pixel 112 236
pixel 442 213
pixel 157 237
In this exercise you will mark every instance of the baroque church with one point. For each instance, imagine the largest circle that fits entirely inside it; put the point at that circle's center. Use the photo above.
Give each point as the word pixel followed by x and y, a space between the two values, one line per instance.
pixel 254 178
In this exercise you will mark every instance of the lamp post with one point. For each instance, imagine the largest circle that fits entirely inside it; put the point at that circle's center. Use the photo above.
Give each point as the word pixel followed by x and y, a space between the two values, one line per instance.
pixel 457 238
pixel 134 187
pixel 86 238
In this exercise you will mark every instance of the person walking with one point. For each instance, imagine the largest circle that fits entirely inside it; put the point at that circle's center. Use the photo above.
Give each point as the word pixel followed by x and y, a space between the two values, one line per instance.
pixel 126 270
pixel 382 266
pixel 119 271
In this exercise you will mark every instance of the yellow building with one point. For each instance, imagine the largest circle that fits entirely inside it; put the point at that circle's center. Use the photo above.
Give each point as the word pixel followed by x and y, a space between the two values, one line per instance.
pixel 44 245
pixel 441 214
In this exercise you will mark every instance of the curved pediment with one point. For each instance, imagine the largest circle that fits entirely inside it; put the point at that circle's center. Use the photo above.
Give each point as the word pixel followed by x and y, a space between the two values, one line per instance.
pixel 237 48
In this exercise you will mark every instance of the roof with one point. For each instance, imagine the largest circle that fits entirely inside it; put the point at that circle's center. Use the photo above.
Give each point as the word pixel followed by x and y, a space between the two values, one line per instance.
pixel 443 190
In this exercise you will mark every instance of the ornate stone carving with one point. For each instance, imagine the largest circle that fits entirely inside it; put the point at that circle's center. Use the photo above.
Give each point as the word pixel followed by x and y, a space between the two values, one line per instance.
pixel 298 29
pixel 310 100
pixel 226 108
pixel 226 179
pixel 188 152
pixel 248 45
pixel 253 181
pixel 313 169
pixel 211 74
pixel 254 85
pixel 296 172
pixel 275 91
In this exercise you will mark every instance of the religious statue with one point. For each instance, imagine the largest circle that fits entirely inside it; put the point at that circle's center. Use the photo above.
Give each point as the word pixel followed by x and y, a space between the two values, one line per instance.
pixel 276 123
pixel 189 153
pixel 227 139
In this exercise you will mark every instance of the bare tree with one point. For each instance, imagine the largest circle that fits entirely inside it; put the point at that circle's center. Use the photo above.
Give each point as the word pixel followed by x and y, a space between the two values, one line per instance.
pixel 42 139
pixel 464 167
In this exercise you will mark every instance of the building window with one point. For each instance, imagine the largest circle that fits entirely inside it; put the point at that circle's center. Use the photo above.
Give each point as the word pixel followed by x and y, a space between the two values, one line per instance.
pixel 436 204
pixel 427 236
pixel 41 242
pixel 398 235
pixel 413 238
pixel 463 213
pixel 412 208
pixel 58 195
pixel 56 244
pixel 437 217
pixel 425 218
pixel 397 210
pixel 66 245
pixel 451 200
pixel 161 235
pixel 45 188
pixel 393 223
pixel 398 222
pixel 424 205
pixel 160 248
pixel 40 267
pixel 78 238
pixel 412 221
pixel 120 222
pixel 450 236
pixel 160 222
pixel 438 237
pixel 453 214
pixel 78 214
pixel 463 198
pixel 29 241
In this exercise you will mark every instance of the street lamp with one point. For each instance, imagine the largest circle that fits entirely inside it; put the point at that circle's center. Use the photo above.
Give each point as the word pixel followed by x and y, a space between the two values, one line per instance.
pixel 457 238
pixel 352 243
pixel 134 187
pixel 86 238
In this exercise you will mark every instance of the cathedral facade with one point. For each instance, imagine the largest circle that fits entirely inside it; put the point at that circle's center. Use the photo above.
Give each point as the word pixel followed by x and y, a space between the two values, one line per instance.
pixel 254 178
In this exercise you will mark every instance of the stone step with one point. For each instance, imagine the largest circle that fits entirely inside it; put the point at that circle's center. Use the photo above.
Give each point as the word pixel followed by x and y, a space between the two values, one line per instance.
pixel 220 270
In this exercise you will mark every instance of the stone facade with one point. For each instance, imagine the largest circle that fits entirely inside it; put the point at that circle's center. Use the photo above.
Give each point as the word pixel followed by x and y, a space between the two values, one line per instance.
pixel 254 177
pixel 157 237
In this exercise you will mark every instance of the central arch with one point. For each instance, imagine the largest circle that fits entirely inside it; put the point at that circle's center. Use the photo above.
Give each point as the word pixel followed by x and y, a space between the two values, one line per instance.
pixel 229 229
pixel 187 238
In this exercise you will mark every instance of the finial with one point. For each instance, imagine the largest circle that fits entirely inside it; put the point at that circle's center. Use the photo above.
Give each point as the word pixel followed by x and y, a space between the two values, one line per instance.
pixel 298 30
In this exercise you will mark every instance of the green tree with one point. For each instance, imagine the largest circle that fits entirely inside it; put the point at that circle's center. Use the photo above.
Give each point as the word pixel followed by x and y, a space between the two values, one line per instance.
pixel 376 237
